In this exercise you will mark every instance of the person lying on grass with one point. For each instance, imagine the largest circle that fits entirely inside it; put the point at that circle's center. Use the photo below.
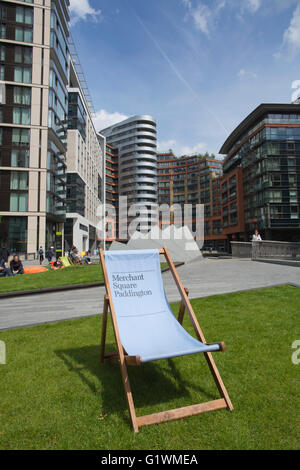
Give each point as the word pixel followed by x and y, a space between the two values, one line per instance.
pixel 58 263
pixel 16 266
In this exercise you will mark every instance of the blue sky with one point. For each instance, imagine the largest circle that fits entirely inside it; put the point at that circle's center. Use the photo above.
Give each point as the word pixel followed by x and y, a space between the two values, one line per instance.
pixel 197 66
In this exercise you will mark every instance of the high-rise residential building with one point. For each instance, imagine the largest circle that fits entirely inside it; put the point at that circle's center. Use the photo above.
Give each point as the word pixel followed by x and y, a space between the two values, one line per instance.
pixel 34 71
pixel 85 154
pixel 261 185
pixel 192 180
pixel 135 140
pixel 44 111
pixel 112 193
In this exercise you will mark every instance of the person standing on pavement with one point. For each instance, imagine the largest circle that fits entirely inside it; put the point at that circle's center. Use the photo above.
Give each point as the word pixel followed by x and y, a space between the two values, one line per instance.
pixel 41 255
pixel 256 238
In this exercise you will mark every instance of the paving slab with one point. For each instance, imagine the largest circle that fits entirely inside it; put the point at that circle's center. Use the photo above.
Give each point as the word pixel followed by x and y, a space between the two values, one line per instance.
pixel 203 278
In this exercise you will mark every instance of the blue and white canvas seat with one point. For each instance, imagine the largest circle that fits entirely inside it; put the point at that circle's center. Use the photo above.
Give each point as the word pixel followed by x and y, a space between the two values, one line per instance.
pixel 145 327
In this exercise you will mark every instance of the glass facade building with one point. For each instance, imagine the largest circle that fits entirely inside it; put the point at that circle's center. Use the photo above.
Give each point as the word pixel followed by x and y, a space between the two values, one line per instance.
pixel 261 186
pixel 76 114
pixel 34 70
pixel 45 129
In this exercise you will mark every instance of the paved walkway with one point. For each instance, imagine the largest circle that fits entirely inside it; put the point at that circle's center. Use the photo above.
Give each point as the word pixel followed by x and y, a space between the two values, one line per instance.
pixel 203 278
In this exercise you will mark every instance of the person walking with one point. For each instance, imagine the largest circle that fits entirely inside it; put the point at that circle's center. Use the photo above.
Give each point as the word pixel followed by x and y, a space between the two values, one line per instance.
pixel 41 255
pixel 49 255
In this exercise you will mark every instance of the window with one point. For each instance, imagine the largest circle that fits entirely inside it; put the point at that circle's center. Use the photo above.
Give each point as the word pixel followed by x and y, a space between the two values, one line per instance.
pixel 23 34
pixel 1 135
pixel 22 95
pixel 275 196
pixel 293 196
pixel 21 116
pixel 20 136
pixel 291 161
pixel 294 212
pixel 23 55
pixel 2 72
pixel 2 53
pixel 293 180
pixel 24 15
pixel 18 202
pixel 20 158
pixel 22 74
pixel 19 180
pixel 276 180
pixel 2 31
pixel 2 13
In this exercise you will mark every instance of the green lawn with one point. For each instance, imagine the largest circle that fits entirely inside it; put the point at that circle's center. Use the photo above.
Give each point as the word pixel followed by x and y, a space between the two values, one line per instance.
pixel 56 395
pixel 82 274
pixel 62 277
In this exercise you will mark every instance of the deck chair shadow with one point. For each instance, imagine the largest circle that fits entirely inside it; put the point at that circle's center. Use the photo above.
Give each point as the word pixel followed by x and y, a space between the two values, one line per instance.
pixel 146 329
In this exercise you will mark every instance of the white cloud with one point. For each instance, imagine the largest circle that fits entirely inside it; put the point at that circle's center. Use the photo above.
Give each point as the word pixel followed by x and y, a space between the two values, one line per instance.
pixel 243 73
pixel 203 16
pixel 178 149
pixel 291 36
pixel 82 10
pixel 166 145
pixel 253 5
pixel 105 119
pixel 221 5
pixel 197 148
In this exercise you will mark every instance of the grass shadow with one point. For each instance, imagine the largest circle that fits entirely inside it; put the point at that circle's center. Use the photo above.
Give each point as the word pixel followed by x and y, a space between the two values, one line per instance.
pixel 152 383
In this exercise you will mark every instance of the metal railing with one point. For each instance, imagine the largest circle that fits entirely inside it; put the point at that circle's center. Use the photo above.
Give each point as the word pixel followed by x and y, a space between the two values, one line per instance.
pixel 266 249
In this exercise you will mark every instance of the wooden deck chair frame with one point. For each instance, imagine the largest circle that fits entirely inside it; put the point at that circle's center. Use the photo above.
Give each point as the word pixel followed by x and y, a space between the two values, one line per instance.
pixel 124 360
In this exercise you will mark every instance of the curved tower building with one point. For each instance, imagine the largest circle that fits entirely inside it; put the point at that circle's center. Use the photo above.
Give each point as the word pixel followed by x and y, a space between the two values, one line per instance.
pixel 135 139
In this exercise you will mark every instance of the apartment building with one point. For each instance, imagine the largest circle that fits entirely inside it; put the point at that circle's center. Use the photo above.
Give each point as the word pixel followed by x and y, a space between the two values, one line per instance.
pixel 135 141
pixel 84 157
pixel 45 127
pixel 261 184
pixel 192 180
pixel 34 71
pixel 112 193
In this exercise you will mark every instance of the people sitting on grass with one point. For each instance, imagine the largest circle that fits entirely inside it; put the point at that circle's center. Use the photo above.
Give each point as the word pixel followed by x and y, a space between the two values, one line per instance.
pixel 87 257
pixel 16 266
pixel 76 258
pixel 4 269
pixel 4 253
pixel 74 255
